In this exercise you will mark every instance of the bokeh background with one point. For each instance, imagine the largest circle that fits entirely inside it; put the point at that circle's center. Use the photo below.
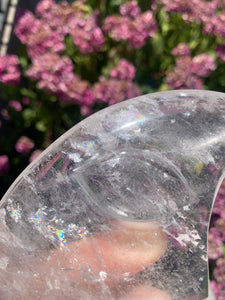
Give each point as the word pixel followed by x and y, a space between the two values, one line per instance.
pixel 62 61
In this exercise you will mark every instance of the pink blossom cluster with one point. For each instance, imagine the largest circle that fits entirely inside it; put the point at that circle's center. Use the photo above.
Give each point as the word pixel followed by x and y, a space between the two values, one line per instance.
pixel 24 145
pixel 54 72
pixel 189 8
pixel 51 71
pixel 131 25
pixel 53 22
pixel 39 38
pixel 4 164
pixel 46 9
pixel 16 105
pixel 218 285
pixel 218 290
pixel 182 49
pixel 25 100
pixel 78 92
pixel 220 50
pixel 130 9
pixel 118 87
pixel 217 242
pixel 5 114
pixel 215 245
pixel 9 69
pixel 210 14
pixel 55 75
pixel 217 230
pixel 87 36
pixel 188 70
pixel 35 154
pixel 123 70
pixel 214 24
pixel 57 16
pixel 26 26
pixel 76 20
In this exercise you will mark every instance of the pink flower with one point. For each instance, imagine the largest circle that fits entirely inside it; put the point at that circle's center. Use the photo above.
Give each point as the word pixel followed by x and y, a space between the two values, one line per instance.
pixel 4 164
pixel 208 13
pixel 87 103
pixel 24 145
pixel 52 72
pixel 16 105
pixel 176 6
pixel 55 75
pixel 5 114
pixel 220 50
pixel 215 24
pixel 45 40
pixel 130 9
pixel 75 91
pixel 86 110
pixel 42 36
pixel 87 36
pixel 26 26
pixel 215 245
pixel 218 290
pixel 117 27
pixel 88 97
pixel 202 65
pixel 57 16
pixel 219 272
pixel 35 154
pixel 112 91
pixel 134 30
pixel 25 100
pixel 220 226
pixel 9 70
pixel 187 70
pixel 123 70
pixel 45 8
pixel 219 205
pixel 181 77
pixel 182 49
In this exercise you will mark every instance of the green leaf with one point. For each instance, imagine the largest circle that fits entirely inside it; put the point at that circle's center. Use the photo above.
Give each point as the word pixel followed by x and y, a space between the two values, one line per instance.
pixel 28 114
pixel 23 62
pixel 29 93
pixel 223 247
pixel 41 126
pixel 198 167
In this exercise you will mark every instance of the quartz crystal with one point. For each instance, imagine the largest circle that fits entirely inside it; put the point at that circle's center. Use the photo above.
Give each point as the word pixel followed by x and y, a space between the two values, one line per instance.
pixel 120 202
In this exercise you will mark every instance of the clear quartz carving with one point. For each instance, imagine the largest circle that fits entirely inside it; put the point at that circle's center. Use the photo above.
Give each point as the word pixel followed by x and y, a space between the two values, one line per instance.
pixel 122 199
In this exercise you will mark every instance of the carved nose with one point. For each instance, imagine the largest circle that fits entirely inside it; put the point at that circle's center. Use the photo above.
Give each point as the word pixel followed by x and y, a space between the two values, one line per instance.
pixel 124 198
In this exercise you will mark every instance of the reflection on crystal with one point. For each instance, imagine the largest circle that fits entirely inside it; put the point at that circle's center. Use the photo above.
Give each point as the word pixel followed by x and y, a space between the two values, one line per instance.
pixel 75 157
pixel 86 148
pixel 14 210
pixel 50 228
pixel 102 275
pixel 4 262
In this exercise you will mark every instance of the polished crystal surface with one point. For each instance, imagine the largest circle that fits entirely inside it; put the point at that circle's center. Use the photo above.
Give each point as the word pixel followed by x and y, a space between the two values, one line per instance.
pixel 122 200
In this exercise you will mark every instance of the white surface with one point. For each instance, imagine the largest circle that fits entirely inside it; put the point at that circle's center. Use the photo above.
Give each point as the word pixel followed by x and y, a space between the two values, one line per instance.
pixel 4 4
pixel 211 295
pixel 11 14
